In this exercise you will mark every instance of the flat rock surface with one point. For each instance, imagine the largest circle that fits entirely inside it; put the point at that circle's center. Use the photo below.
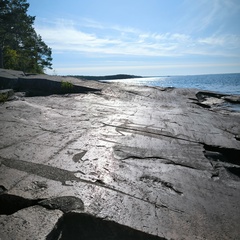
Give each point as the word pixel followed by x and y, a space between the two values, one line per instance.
pixel 125 162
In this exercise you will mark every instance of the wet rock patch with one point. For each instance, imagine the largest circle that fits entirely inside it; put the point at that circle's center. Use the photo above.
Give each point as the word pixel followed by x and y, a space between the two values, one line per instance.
pixel 77 157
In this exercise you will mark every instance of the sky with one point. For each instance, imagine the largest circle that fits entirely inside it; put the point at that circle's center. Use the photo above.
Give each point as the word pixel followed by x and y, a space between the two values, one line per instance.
pixel 140 37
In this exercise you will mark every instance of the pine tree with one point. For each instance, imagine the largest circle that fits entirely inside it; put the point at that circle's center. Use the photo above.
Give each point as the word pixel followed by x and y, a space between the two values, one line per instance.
pixel 21 48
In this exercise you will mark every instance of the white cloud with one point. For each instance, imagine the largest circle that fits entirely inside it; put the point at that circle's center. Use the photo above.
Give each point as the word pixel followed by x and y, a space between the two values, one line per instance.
pixel 146 69
pixel 204 16
pixel 223 40
pixel 65 35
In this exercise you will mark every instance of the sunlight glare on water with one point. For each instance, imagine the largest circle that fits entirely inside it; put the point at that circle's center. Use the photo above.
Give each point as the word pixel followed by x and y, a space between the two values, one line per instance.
pixel 222 83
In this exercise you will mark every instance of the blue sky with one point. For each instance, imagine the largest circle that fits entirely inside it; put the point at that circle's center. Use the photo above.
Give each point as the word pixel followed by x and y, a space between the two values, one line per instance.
pixel 142 37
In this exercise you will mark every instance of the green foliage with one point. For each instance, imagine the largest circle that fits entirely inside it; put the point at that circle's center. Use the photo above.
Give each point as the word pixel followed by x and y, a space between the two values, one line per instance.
pixel 21 48
pixel 3 97
pixel 11 58
pixel 65 85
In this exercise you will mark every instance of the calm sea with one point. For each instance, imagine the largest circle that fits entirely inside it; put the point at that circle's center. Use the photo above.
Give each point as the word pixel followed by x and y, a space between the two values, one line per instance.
pixel 223 83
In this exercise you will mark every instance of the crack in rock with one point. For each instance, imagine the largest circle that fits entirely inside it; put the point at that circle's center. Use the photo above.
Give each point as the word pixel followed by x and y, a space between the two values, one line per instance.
pixel 221 154
pixel 64 176
pixel 154 133
pixel 234 170
pixel 209 99
pixel 220 157
pixel 155 180
pixel 128 153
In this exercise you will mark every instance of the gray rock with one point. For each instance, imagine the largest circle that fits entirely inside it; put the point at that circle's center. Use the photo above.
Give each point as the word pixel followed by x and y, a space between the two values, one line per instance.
pixel 43 85
pixel 156 161
pixel 33 223
pixel 9 78
pixel 64 203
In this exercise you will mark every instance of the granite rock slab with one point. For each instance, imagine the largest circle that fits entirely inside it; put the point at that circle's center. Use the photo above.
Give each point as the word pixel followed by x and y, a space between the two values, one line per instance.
pixel 122 162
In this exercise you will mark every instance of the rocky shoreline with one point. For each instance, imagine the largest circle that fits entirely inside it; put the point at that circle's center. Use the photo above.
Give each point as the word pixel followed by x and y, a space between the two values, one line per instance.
pixel 89 160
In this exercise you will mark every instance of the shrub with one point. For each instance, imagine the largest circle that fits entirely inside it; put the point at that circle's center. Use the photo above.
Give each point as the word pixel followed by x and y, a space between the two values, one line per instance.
pixel 66 85
pixel 3 97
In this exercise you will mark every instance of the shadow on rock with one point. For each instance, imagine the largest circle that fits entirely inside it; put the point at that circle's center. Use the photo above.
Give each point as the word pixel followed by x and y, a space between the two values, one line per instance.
pixel 86 227
pixel 10 204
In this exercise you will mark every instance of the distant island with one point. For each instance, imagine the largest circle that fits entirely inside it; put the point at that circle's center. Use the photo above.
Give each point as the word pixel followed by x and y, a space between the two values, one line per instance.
pixel 108 77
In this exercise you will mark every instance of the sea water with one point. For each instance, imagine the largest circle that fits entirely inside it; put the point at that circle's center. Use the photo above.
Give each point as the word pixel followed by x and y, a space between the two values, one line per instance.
pixel 222 83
